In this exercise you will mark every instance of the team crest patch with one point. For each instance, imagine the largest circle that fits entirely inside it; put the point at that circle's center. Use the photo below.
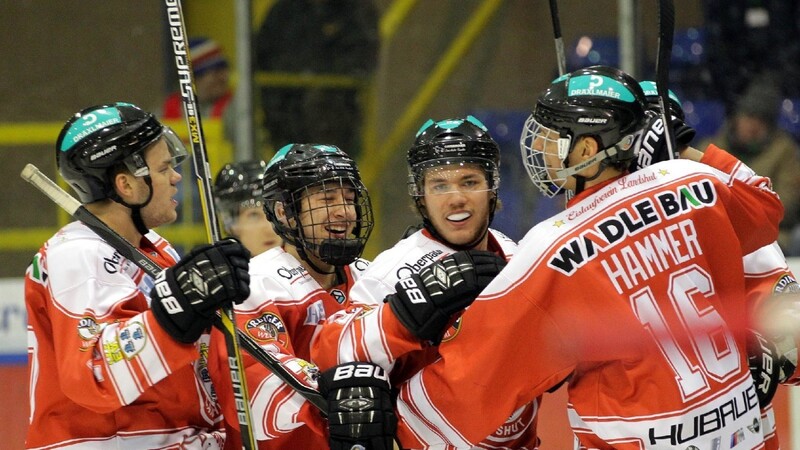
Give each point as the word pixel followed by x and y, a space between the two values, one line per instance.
pixel 268 327
pixel 132 339
pixel 339 296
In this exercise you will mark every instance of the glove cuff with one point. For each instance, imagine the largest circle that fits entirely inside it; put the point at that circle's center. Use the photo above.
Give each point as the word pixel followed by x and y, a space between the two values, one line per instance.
pixel 424 322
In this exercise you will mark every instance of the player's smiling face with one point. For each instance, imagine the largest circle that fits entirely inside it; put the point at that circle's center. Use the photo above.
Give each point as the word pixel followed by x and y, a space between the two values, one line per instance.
pixel 328 212
pixel 457 199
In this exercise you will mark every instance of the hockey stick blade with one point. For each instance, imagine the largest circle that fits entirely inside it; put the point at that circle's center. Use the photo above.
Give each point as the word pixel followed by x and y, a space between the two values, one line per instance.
pixel 666 32
pixel 72 206
pixel 561 58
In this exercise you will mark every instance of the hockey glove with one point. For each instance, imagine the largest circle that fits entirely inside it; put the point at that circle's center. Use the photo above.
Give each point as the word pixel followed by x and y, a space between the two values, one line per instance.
pixel 426 302
pixel 186 296
pixel 768 365
pixel 653 146
pixel 360 407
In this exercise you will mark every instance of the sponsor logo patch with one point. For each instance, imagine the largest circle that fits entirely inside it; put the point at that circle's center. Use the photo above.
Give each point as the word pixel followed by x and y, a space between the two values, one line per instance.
pixel 339 296
pixel 786 284
pixel 88 329
pixel 267 328
pixel 111 352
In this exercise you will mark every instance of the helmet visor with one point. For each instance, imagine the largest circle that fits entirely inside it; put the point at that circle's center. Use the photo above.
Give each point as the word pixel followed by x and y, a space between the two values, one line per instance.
pixel 448 175
pixel 544 152
pixel 136 163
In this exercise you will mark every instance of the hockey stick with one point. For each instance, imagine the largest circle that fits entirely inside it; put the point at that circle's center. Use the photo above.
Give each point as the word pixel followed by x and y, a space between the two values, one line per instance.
pixel 561 57
pixel 72 206
pixel 666 31
pixel 180 48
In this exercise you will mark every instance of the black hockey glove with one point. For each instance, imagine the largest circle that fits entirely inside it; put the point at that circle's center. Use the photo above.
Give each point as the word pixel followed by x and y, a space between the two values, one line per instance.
pixel 768 366
pixel 653 146
pixel 186 296
pixel 360 406
pixel 425 302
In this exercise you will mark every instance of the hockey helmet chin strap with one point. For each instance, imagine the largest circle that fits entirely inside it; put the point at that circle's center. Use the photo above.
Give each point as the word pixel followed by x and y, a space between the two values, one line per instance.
pixel 136 210
pixel 336 252
pixel 602 158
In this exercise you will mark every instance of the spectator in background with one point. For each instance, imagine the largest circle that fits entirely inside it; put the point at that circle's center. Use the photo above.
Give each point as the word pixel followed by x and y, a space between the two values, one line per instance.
pixel 318 37
pixel 211 78
pixel 752 134
pixel 215 96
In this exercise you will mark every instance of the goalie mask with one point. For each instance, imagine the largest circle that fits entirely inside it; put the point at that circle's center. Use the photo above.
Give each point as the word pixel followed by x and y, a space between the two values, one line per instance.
pixel 447 144
pixel 326 208
pixel 599 102
pixel 238 185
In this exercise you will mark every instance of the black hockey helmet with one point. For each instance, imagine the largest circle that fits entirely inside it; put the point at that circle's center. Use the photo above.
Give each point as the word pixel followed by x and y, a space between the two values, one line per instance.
pixel 100 140
pixel 238 185
pixel 452 141
pixel 292 171
pixel 651 94
pixel 599 101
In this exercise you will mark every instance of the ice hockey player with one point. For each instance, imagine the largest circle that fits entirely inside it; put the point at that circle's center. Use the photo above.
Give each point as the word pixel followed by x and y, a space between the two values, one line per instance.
pixel 454 177
pixel 314 198
pixel 770 285
pixel 117 359
pixel 630 294
pixel 237 193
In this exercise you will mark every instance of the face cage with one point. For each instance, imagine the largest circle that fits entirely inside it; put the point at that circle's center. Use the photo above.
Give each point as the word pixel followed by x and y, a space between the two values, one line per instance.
pixel 536 135
pixel 136 164
pixel 416 174
pixel 334 251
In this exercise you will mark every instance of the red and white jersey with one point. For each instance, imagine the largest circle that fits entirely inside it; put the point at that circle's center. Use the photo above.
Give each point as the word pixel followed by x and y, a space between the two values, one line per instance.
pixel 103 374
pixel 366 334
pixel 636 292
pixel 371 332
pixel 767 273
pixel 285 308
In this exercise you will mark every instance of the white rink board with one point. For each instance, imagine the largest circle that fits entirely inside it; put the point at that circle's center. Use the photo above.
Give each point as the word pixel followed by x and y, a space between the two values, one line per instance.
pixel 13 319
